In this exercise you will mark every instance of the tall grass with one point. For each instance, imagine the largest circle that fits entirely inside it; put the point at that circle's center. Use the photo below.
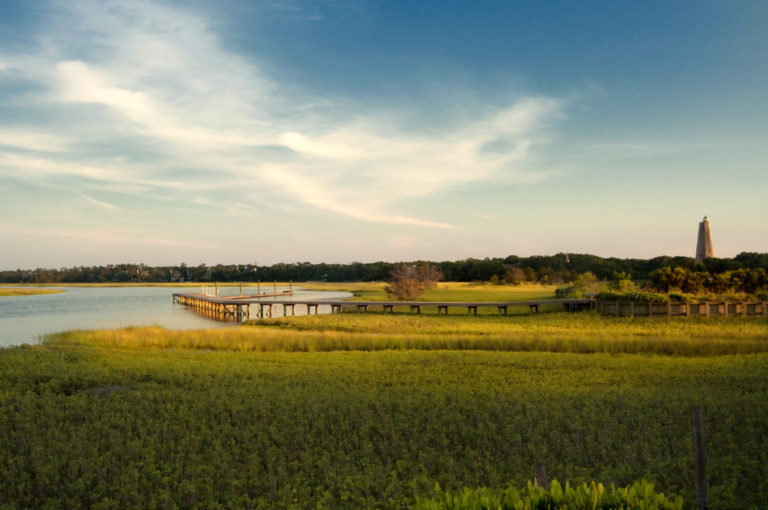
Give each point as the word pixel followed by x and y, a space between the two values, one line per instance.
pixel 579 333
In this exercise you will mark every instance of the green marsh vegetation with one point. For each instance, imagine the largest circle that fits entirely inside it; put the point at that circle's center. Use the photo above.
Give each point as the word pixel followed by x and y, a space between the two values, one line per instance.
pixel 445 291
pixel 556 332
pixel 377 410
pixel 585 496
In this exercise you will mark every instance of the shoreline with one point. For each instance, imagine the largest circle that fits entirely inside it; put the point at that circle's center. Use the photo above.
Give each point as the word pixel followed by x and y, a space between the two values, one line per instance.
pixel 16 292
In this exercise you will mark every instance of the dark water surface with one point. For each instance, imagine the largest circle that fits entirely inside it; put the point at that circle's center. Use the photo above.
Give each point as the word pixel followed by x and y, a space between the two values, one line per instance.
pixel 24 319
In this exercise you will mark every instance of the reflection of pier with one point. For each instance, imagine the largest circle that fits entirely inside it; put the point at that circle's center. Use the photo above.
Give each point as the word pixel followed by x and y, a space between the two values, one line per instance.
pixel 217 315
pixel 238 307
pixel 227 307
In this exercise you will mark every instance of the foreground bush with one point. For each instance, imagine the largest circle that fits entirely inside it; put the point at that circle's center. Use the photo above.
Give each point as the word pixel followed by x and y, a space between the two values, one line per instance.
pixel 633 296
pixel 593 496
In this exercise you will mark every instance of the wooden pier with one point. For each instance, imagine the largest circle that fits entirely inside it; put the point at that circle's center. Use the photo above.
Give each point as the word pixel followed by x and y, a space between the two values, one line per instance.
pixel 238 307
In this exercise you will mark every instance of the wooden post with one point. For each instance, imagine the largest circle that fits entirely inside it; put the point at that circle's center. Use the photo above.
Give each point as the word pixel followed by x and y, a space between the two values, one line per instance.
pixel 241 288
pixel 258 287
pixel 700 457
pixel 217 288
pixel 540 472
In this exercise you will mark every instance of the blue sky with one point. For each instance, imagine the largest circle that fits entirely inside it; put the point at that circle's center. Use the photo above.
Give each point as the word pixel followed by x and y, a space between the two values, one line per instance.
pixel 338 131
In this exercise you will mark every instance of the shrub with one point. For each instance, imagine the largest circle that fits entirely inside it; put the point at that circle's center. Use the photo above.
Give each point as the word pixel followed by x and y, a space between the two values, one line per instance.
pixel 514 276
pixel 584 285
pixel 410 281
pixel 680 296
pixel 622 282
pixel 632 296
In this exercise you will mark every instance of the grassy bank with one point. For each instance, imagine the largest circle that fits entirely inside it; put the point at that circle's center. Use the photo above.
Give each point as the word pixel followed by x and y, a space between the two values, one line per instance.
pixel 9 292
pixel 445 291
pixel 111 427
pixel 557 332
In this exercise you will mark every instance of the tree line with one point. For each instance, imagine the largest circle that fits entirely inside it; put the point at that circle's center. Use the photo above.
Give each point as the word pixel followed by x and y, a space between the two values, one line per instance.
pixel 560 268
pixel 678 279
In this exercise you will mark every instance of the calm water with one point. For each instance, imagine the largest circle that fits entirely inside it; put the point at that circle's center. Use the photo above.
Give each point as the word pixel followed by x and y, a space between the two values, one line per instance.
pixel 24 319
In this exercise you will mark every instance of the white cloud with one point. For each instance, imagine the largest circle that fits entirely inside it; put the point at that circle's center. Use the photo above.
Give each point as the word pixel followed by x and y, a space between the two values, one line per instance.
pixel 103 205
pixel 159 73
pixel 313 193
pixel 117 179
pixel 32 141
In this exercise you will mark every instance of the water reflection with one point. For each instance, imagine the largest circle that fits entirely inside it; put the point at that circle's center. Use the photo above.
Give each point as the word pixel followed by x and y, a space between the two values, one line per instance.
pixel 265 310
pixel 25 319
pixel 213 315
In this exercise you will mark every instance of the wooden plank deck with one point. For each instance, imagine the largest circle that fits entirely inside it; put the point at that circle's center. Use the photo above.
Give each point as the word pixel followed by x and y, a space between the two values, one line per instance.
pixel 239 306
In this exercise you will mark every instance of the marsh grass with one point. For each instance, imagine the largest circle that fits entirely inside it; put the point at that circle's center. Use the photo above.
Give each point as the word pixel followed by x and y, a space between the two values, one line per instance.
pixel 458 291
pixel 7 292
pixel 565 333
pixel 373 291
pixel 216 429
pixel 445 291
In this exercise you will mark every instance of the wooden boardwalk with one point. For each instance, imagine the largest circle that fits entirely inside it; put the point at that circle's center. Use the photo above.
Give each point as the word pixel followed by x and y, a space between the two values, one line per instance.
pixel 685 309
pixel 239 307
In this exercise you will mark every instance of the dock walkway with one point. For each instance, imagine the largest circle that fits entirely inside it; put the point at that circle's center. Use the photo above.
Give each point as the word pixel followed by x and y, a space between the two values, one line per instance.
pixel 238 307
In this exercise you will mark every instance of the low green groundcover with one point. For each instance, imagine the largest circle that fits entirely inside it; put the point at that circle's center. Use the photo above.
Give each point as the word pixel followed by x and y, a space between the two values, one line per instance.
pixel 593 496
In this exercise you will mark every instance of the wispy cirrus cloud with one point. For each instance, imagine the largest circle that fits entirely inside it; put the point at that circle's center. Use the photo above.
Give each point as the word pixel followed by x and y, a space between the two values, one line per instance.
pixel 103 205
pixel 31 141
pixel 107 237
pixel 170 109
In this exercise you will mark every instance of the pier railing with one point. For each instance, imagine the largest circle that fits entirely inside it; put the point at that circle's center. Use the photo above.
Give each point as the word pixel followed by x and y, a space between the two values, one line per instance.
pixel 684 309
pixel 239 307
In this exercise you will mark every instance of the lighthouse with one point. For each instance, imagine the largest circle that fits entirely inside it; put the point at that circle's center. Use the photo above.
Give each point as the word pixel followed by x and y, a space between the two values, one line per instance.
pixel 704 244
